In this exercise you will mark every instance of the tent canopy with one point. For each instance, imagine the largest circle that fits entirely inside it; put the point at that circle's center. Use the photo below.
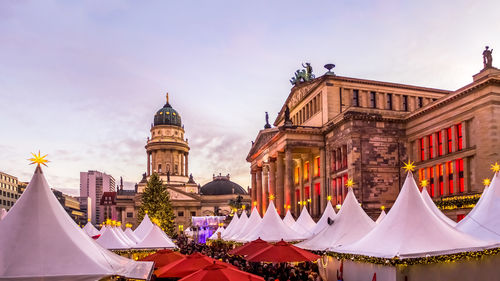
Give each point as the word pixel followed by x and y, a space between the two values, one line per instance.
pixel 428 201
pixel 230 226
pixel 90 230
pixel 380 217
pixel 252 221
pixel 235 231
pixel 288 219
pixel 156 239
pixel 304 223
pixel 144 227
pixel 329 213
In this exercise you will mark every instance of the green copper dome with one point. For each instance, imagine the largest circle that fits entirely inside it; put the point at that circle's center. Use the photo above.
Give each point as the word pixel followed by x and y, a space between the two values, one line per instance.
pixel 167 116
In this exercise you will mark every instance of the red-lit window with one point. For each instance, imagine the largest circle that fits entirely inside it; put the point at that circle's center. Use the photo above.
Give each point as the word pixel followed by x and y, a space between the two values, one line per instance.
pixel 334 189
pixel 344 187
pixel 297 195
pixel 459 137
pixel 440 179
pixel 440 143
pixel 431 147
pixel 450 176
pixel 460 217
pixel 317 188
pixel 296 176
pixel 307 191
pixel 460 170
pixel 306 171
pixel 431 181
pixel 422 149
pixel 344 157
pixel 316 167
pixel 450 142
pixel 339 158
pixel 421 175
pixel 339 190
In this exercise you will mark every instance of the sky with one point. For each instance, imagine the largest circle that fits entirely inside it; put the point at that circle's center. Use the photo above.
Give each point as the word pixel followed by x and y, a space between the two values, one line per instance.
pixel 81 80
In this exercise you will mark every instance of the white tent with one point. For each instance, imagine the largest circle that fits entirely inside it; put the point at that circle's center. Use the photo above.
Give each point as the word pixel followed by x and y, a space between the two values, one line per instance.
pixel 428 201
pixel 235 231
pixel 3 213
pixel 118 230
pixel 144 227
pixel 131 235
pixel 288 219
pixel 380 217
pixel 38 240
pixel 230 226
pixel 251 223
pixel 215 235
pixel 329 212
pixel 156 239
pixel 304 223
pixel 349 225
pixel 272 228
pixel 90 230
pixel 111 241
pixel 411 229
pixel 484 220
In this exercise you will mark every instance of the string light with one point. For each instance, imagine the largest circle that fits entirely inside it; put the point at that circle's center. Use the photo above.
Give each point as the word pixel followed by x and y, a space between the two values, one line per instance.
pixel 458 202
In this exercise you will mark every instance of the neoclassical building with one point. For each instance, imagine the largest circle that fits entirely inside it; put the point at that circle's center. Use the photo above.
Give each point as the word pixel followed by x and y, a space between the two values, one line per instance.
pixel 334 128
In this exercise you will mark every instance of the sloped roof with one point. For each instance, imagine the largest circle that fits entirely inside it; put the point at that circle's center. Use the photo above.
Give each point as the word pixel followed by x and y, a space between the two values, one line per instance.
pixel 214 235
pixel 90 229
pixel 230 226
pixel 110 240
pixel 3 213
pixel 304 223
pixel 288 219
pixel 252 221
pixel 131 235
pixel 155 239
pixel 144 227
pixel 329 212
pixel 380 217
pixel 53 246
pixel 237 228
pixel 428 201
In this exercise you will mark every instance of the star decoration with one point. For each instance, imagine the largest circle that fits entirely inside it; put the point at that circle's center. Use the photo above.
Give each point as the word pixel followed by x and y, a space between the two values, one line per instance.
pixel 271 197
pixel 38 159
pixel 255 203
pixel 495 168
pixel 382 207
pixel 424 183
pixel 486 182
pixel 409 167
pixel 349 183
pixel 329 198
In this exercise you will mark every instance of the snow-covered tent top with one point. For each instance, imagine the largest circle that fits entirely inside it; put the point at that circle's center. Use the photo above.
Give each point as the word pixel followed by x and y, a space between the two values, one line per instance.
pixel 131 235
pixel 110 240
pixel 230 226
pixel 144 227
pixel 251 223
pixel 288 219
pixel 3 213
pixel 236 230
pixel 484 220
pixel 380 217
pixel 156 239
pixel 412 230
pixel 349 225
pixel 90 230
pixel 40 241
pixel 428 201
pixel 272 228
pixel 304 223
pixel 323 221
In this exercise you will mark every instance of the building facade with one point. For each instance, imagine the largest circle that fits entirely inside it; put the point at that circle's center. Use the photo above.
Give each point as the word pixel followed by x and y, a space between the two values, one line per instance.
pixel 93 184
pixel 333 128
pixel 9 191
pixel 71 205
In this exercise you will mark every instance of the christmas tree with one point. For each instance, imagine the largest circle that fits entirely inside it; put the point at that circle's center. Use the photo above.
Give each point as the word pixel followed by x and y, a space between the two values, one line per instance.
pixel 156 203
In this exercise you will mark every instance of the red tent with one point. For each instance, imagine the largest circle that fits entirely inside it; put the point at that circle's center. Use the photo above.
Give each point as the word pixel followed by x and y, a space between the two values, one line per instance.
pixel 163 257
pixel 282 252
pixel 250 248
pixel 187 265
pixel 221 272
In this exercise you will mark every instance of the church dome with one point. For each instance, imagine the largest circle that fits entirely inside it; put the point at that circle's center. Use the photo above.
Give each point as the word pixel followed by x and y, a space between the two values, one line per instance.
pixel 221 185
pixel 167 116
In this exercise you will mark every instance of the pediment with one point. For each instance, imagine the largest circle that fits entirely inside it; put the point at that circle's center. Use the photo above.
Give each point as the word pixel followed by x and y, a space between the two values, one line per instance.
pixel 176 194
pixel 262 138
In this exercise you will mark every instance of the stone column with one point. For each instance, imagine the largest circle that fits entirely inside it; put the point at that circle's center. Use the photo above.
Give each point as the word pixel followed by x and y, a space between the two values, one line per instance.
pixel 265 188
pixel 254 187
pixel 272 180
pixel 465 139
pixel 467 185
pixel 454 138
pixel 426 148
pixel 183 169
pixel 259 190
pixel 300 164
pixel 149 163
pixel 186 164
pixel 435 152
pixel 322 178
pixel 280 189
pixel 312 191
pixel 288 198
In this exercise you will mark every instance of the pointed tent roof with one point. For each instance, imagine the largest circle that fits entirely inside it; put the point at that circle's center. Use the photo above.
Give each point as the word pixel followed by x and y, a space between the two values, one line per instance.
pixel 329 212
pixel 428 201
pixel 118 230
pixel 288 219
pixel 131 235
pixel 236 230
pixel 111 241
pixel 3 213
pixel 155 239
pixel 144 227
pixel 90 230
pixel 251 223
pixel 304 223
pixel 214 235
pixel 484 220
pixel 349 225
pixel 230 226
pixel 272 228
pixel 380 217
pixel 412 230
pixel 53 246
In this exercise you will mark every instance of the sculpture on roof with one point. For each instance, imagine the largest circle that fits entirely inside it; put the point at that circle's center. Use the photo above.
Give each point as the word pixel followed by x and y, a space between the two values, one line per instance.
pixel 303 75
pixel 487 57
pixel 288 121
pixel 267 126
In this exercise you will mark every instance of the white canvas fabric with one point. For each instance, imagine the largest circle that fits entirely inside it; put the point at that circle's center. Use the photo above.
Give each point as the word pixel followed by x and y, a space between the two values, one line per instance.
pixel 40 241
pixel 329 212
pixel 251 223
pixel 90 230
pixel 3 213
pixel 131 235
pixel 304 223
pixel 215 235
pixel 236 230
pixel 230 226
pixel 272 228
pixel 411 229
pixel 144 227
pixel 380 217
pixel 111 241
pixel 288 219
pixel 428 201
pixel 349 225
pixel 484 220
pixel 156 239
pixel 124 237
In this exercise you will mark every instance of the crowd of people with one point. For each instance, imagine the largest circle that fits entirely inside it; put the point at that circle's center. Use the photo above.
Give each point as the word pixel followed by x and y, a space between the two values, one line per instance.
pixel 307 271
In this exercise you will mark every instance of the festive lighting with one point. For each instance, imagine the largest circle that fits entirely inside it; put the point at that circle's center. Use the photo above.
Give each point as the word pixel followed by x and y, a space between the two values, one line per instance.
pixel 458 202
pixel 89 219
pixel 338 206
pixel 496 167
pixel 409 167
pixel 329 198
pixel 308 200
pixel 349 183
pixel 243 207
pixel 424 183
pixel 255 203
pixel 486 182
pixel 382 207
pixel 38 159
pixel 271 197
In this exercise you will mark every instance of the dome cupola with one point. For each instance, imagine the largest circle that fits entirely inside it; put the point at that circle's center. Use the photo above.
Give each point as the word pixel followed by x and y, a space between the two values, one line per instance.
pixel 167 116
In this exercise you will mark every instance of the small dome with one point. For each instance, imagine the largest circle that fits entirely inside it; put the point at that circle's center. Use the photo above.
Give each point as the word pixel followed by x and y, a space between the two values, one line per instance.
pixel 167 116
pixel 221 185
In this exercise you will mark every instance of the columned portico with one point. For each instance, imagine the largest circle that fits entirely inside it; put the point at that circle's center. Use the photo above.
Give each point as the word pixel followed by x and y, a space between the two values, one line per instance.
pixel 280 188
pixel 259 190
pixel 265 188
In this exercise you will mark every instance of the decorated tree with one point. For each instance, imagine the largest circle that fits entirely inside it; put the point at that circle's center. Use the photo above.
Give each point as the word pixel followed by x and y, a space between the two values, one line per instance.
pixel 156 203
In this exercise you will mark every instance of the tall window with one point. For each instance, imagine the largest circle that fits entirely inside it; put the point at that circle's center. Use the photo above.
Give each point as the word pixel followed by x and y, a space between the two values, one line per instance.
pixel 449 139
pixel 344 157
pixel 440 143
pixel 389 101
pixel 297 170
pixel 420 102
pixel 441 179
pixel 159 168
pixel 373 100
pixel 334 160
pixel 344 187
pixel 431 181
pixel 450 176
pixel 316 167
pixel 334 190
pixel 339 190
pixel 422 149
pixel 459 137
pixel 431 147
pixel 405 103
pixel 306 170
pixel 460 170
pixel 355 97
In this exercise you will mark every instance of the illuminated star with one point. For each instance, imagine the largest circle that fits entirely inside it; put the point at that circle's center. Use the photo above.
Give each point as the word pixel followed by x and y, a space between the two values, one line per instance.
pixel 382 207
pixel 424 183
pixel 38 159
pixel 495 168
pixel 486 182
pixel 255 203
pixel 409 167
pixel 329 198
pixel 271 197
pixel 349 183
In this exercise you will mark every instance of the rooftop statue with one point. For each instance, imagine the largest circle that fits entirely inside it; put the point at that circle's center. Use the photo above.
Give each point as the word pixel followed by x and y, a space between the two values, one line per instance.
pixel 303 75
pixel 487 57
pixel 267 126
